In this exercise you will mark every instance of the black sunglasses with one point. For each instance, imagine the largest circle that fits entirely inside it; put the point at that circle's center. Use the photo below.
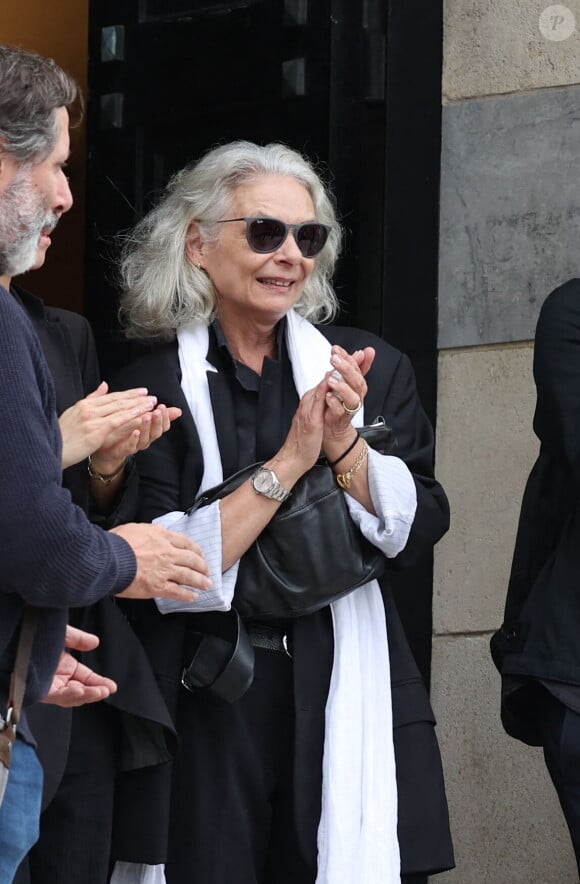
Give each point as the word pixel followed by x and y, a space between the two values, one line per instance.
pixel 267 234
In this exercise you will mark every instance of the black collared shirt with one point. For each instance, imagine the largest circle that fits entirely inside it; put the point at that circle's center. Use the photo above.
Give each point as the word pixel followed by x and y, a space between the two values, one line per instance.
pixel 263 404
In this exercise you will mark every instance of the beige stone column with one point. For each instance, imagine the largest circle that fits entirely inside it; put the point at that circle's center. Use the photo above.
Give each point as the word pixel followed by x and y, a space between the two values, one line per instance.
pixel 505 817
pixel 509 233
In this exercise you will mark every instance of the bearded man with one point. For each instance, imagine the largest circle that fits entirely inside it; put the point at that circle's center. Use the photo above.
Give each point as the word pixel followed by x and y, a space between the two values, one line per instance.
pixel 52 556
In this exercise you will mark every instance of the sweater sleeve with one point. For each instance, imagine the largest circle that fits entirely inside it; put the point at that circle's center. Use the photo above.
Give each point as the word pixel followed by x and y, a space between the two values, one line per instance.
pixel 52 555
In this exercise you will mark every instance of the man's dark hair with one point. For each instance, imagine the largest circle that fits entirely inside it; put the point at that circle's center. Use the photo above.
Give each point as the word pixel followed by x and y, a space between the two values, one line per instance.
pixel 32 88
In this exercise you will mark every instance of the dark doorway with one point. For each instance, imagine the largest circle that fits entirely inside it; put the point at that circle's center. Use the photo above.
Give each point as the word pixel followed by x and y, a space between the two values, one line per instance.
pixel 354 84
pixel 171 79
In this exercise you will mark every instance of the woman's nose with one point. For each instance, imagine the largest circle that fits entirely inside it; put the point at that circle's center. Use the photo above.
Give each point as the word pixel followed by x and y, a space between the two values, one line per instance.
pixel 289 249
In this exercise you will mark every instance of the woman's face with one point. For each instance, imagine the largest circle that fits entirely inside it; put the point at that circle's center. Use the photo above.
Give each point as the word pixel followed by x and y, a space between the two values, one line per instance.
pixel 253 287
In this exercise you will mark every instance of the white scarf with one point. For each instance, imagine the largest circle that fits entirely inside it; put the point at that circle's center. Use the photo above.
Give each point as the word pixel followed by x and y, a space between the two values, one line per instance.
pixel 357 835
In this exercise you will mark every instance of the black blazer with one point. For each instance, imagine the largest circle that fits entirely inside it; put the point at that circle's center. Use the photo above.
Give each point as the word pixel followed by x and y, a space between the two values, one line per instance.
pixel 170 476
pixel 539 635
pixel 68 345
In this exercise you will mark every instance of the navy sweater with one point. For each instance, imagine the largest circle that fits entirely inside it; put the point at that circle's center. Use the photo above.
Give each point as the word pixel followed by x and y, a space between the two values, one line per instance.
pixel 52 557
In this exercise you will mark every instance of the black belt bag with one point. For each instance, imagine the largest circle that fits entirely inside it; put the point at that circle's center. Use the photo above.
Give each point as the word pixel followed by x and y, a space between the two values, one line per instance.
pixel 311 553
pixel 222 665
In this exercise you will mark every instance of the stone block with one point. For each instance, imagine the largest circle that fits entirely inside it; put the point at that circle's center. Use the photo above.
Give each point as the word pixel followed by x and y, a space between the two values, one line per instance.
pixel 499 46
pixel 505 817
pixel 510 213
pixel 485 449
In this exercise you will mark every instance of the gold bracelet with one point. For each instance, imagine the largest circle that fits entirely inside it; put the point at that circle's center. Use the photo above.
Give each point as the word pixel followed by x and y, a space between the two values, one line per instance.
pixel 105 478
pixel 344 479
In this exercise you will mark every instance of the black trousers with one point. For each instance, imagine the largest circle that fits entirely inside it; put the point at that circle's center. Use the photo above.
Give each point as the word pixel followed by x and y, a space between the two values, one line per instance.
pixel 232 815
pixel 75 828
pixel 561 740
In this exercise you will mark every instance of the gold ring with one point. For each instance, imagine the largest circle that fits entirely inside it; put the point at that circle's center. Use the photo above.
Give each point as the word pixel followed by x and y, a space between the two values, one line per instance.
pixel 352 410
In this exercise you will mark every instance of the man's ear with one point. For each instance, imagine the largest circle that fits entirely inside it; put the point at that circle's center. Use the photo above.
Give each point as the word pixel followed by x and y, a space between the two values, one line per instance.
pixel 8 166
pixel 194 244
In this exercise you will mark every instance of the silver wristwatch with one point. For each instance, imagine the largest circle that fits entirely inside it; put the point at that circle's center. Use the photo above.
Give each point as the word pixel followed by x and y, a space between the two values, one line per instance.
pixel 266 482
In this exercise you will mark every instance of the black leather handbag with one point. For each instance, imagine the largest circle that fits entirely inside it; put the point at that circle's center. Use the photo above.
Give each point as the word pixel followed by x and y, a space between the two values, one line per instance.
pixel 311 553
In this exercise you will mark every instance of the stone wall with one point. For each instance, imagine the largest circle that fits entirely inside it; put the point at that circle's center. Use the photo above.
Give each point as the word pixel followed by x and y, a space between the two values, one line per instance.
pixel 510 225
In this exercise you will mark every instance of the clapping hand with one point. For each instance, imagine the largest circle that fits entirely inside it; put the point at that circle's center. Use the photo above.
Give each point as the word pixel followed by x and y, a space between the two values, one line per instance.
pixel 347 391
pixel 112 426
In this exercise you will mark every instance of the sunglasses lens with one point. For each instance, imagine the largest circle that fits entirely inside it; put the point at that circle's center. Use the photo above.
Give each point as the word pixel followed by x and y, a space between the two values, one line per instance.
pixel 265 234
pixel 311 239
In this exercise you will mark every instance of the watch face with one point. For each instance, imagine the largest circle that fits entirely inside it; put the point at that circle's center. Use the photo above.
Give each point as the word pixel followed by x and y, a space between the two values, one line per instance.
pixel 264 481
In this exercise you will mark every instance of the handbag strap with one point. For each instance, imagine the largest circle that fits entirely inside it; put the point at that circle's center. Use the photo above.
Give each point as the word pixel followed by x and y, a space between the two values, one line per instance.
pixel 222 667
pixel 20 673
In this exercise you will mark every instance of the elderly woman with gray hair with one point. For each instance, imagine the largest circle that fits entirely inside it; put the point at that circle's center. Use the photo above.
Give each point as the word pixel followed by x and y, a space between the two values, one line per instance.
pixel 326 769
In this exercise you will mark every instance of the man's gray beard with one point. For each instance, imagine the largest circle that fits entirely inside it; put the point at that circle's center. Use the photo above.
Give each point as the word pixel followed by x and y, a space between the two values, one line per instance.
pixel 22 219
pixel 19 258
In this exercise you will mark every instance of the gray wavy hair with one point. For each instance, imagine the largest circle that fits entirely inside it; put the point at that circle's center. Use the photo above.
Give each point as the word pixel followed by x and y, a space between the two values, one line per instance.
pixel 162 290
pixel 32 88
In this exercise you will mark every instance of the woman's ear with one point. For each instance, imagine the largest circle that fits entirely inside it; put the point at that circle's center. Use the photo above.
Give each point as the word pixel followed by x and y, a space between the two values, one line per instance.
pixel 194 245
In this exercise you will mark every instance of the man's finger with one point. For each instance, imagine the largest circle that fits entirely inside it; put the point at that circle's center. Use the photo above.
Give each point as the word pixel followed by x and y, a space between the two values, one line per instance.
pixel 79 640
pixel 90 679
pixel 185 576
pixel 79 694
pixel 180 541
pixel 178 593
pixel 101 390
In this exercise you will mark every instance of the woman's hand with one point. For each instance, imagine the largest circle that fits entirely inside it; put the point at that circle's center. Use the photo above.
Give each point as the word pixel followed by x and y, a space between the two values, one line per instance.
pixel 112 426
pixel 303 444
pixel 245 513
pixel 347 391
pixel 345 451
